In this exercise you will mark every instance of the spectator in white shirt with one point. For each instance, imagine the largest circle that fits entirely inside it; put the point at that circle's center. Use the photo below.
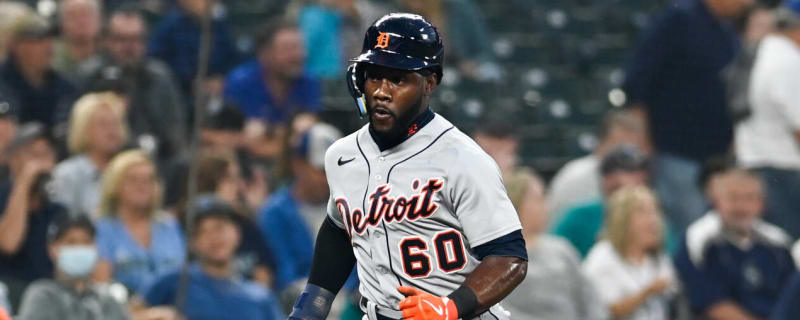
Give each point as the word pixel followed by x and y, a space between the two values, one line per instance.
pixel 578 181
pixel 768 141
pixel 628 268
pixel 97 131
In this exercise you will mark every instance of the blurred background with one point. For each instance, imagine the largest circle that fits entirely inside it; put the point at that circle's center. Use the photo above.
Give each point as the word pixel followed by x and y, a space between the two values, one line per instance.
pixel 163 159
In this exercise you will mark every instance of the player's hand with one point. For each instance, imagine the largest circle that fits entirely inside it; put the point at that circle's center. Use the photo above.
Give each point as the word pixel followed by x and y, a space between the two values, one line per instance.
pixel 420 305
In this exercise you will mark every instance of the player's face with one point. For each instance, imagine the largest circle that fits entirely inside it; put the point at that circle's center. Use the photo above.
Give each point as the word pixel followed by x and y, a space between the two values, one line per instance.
pixel 739 201
pixel 394 97
pixel 215 240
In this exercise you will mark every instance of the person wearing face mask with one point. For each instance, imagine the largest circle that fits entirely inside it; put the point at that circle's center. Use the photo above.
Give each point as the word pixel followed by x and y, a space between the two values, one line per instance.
pixel 70 294
pixel 733 264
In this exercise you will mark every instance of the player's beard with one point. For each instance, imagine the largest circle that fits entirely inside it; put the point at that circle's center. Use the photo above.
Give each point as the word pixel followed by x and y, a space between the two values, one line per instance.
pixel 399 130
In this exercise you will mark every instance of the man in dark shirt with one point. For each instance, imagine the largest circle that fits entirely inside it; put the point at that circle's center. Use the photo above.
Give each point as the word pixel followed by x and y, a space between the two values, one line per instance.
pixel 732 264
pixel 155 105
pixel 28 80
pixel 26 211
pixel 176 41
pixel 674 83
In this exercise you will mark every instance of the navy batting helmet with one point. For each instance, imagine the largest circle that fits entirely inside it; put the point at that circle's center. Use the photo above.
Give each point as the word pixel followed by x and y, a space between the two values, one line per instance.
pixel 397 40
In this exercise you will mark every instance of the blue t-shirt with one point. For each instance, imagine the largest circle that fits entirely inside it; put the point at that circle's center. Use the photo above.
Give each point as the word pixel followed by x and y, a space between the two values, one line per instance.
pixel 714 269
pixel 211 298
pixel 246 88
pixel 288 236
pixel 134 266
pixel 290 239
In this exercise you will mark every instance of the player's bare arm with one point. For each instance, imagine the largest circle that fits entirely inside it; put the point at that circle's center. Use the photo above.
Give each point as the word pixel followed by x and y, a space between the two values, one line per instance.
pixel 495 278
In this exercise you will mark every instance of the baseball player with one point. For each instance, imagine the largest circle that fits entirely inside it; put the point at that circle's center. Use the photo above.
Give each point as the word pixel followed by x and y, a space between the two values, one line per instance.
pixel 414 201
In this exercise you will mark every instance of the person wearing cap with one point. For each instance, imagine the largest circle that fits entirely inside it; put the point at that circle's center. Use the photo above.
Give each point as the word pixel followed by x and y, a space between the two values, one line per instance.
pixel 623 166
pixel 273 87
pixel 70 295
pixel 578 181
pixel 210 287
pixel 732 264
pixel 291 217
pixel 26 210
pixel 219 174
pixel 97 132
pixel 768 141
pixel 28 79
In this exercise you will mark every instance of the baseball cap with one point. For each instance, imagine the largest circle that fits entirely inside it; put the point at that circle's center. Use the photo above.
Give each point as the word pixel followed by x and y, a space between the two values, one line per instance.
pixel 209 206
pixel 65 222
pixel 224 117
pixel 27 133
pixel 624 158
pixel 31 26
pixel 315 141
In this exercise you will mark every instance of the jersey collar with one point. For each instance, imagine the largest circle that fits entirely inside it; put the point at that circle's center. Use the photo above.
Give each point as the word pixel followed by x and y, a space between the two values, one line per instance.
pixel 416 125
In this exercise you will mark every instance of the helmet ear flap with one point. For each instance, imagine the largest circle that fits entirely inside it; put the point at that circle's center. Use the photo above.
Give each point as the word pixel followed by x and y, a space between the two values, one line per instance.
pixel 355 82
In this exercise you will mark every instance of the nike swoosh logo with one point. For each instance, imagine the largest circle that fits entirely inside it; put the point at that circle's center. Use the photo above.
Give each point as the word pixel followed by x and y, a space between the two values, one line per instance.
pixel 438 310
pixel 341 163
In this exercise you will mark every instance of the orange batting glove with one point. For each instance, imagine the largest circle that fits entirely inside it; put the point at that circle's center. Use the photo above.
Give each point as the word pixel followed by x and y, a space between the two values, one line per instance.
pixel 4 315
pixel 420 305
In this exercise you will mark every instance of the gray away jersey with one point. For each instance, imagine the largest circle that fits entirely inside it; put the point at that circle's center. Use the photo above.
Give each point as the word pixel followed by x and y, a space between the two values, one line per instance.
pixel 414 212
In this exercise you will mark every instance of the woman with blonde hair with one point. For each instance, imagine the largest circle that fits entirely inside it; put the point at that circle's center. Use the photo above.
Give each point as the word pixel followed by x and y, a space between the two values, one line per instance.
pixel 629 269
pixel 136 240
pixel 97 131
pixel 554 287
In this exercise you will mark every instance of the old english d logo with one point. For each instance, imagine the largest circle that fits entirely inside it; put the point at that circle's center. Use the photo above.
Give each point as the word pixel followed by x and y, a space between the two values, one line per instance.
pixel 383 40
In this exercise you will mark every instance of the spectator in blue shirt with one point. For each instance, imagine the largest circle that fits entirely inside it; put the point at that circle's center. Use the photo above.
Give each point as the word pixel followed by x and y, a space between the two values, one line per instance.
pixel 213 289
pixel 219 177
pixel 26 210
pixel 136 241
pixel 176 41
pixel 674 83
pixel 292 215
pixel 732 264
pixel 273 87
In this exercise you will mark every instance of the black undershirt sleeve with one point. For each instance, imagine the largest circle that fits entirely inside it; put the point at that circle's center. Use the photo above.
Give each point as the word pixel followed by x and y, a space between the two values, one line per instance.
pixel 509 245
pixel 333 258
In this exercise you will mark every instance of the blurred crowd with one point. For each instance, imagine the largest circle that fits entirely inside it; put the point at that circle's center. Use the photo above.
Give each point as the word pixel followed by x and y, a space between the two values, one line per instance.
pixel 155 164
